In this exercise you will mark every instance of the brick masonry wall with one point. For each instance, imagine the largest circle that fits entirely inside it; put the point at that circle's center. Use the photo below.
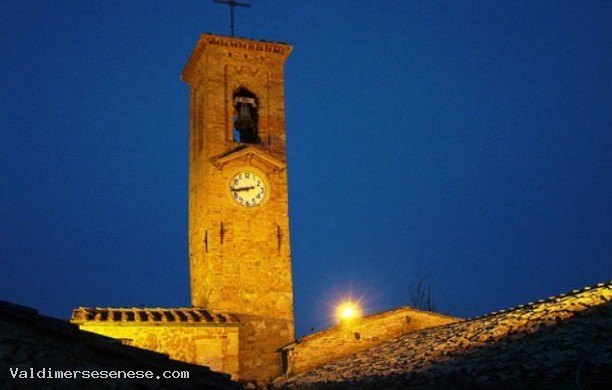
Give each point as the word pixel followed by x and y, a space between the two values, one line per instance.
pixel 240 260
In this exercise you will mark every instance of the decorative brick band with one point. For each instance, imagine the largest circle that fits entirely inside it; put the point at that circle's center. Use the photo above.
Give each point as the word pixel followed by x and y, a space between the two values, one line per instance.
pixel 248 44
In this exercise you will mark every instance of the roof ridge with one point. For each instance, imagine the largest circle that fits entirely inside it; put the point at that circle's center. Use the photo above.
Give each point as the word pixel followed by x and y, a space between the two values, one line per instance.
pixel 527 305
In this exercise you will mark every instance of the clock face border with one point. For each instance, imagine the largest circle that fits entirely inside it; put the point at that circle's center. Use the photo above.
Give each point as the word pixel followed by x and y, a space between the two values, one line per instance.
pixel 260 174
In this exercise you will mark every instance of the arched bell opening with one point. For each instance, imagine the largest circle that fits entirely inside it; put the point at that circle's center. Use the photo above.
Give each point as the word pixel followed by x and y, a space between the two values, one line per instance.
pixel 246 117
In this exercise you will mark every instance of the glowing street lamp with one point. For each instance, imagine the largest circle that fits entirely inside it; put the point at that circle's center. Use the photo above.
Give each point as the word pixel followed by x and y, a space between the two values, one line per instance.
pixel 347 311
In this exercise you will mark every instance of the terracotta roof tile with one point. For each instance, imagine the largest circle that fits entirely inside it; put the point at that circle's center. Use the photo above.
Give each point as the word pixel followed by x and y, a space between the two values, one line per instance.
pixel 557 340
pixel 190 315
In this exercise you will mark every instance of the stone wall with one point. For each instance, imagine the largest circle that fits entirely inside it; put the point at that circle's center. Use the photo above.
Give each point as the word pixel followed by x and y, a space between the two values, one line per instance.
pixel 357 334
pixel 240 257
pixel 191 335
pixel 215 347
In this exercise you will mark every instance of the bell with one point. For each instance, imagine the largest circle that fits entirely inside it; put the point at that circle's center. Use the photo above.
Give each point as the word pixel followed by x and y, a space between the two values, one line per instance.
pixel 244 120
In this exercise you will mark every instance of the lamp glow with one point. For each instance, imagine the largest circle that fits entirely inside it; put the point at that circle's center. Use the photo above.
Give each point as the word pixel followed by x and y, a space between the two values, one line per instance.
pixel 347 311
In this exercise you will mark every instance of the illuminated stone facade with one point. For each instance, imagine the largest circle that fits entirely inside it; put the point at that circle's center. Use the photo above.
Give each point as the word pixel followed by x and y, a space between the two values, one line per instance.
pixel 241 320
pixel 239 254
pixel 187 334
pixel 357 334
pixel 239 251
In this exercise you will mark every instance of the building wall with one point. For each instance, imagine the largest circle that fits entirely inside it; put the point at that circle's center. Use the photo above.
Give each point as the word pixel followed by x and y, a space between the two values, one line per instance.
pixel 240 260
pixel 214 346
pixel 358 334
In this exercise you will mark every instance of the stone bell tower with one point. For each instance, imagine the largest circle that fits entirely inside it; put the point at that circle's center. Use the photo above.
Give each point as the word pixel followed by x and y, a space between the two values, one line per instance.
pixel 239 251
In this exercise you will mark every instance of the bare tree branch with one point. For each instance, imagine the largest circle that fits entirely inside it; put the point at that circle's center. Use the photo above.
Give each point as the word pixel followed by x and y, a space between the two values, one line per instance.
pixel 420 295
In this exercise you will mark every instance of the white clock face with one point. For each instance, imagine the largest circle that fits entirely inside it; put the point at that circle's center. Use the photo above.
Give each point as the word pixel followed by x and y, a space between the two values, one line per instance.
pixel 248 188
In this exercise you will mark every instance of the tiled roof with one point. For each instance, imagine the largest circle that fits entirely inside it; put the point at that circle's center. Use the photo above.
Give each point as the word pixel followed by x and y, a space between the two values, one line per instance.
pixel 562 339
pixel 190 315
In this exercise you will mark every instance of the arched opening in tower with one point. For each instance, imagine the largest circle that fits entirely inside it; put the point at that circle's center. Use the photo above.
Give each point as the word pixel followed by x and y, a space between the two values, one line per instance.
pixel 246 117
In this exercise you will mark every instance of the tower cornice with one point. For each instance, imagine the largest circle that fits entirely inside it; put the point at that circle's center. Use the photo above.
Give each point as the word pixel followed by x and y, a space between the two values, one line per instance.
pixel 206 41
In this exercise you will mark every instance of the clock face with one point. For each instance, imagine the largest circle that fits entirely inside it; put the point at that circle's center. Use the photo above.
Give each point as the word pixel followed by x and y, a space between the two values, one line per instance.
pixel 247 188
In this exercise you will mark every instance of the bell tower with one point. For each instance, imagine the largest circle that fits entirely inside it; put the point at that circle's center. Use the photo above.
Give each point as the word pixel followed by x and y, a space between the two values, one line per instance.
pixel 239 251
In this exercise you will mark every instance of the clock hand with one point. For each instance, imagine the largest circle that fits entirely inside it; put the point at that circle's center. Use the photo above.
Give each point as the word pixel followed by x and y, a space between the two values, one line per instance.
pixel 242 189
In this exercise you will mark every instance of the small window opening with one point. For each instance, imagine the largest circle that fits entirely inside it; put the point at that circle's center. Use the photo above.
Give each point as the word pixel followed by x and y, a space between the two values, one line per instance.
pixel 246 117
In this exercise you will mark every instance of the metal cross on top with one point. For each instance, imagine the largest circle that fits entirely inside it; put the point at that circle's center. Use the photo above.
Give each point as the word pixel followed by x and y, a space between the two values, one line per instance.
pixel 232 4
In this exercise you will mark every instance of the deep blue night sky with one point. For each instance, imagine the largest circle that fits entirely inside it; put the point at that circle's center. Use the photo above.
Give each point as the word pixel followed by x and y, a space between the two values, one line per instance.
pixel 471 140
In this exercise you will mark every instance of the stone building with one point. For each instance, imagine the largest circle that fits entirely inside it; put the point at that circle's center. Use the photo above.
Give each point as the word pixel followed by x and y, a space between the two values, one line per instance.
pixel 357 334
pixel 40 352
pixel 191 335
pixel 239 255
pixel 563 342
pixel 241 319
